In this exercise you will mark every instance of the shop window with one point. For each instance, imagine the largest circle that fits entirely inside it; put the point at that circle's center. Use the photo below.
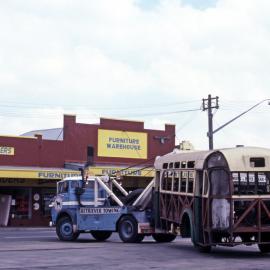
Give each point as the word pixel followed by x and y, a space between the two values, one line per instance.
pixel 20 208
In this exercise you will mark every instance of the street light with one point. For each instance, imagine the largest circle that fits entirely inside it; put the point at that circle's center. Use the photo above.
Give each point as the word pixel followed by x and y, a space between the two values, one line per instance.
pixel 210 134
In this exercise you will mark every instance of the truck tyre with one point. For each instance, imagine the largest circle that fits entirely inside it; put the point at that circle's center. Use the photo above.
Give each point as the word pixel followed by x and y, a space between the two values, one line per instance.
pixel 163 237
pixel 264 248
pixel 101 235
pixel 128 230
pixel 132 196
pixel 64 230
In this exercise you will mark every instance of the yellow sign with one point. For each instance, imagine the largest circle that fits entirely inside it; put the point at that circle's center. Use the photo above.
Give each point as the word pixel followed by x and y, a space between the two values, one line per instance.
pixel 9 177
pixel 148 172
pixel 37 174
pixel 122 144
pixel 7 151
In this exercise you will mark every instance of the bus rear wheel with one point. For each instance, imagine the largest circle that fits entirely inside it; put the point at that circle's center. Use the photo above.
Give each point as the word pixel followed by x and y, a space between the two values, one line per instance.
pixel 64 230
pixel 203 249
pixel 163 237
pixel 128 230
pixel 101 235
pixel 264 248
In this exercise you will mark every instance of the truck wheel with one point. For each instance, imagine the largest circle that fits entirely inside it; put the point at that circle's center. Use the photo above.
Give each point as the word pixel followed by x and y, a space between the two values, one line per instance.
pixel 101 235
pixel 128 230
pixel 264 248
pixel 64 230
pixel 163 237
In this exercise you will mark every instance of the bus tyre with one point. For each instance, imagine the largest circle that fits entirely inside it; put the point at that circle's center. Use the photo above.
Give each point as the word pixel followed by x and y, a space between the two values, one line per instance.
pixel 128 230
pixel 64 230
pixel 264 248
pixel 163 237
pixel 101 235
pixel 203 249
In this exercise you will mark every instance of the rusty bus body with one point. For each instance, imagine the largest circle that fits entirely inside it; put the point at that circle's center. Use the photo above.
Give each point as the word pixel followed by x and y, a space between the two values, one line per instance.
pixel 218 197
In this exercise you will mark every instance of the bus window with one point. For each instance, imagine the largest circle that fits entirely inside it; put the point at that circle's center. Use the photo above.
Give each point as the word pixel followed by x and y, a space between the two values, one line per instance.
pixel 251 183
pixel 183 164
pixel 169 180
pixel 191 164
pixel 199 183
pixel 184 176
pixel 177 165
pixel 165 165
pixel 257 162
pixel 176 182
pixel 220 182
pixel 216 160
pixel 205 184
pixel 164 180
pixel 190 182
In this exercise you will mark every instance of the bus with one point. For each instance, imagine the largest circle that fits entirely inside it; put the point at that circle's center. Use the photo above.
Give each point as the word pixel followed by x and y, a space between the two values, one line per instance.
pixel 217 197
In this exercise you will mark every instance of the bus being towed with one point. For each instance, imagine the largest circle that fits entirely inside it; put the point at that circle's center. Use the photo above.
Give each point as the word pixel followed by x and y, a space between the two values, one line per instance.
pixel 218 197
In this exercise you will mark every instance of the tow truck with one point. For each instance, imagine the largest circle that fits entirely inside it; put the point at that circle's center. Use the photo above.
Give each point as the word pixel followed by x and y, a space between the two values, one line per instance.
pixel 90 204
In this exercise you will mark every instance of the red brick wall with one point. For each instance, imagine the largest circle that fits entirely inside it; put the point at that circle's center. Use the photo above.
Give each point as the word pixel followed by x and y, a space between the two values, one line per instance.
pixel 76 138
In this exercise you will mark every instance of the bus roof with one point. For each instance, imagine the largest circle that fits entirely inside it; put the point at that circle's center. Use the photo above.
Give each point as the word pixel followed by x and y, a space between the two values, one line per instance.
pixel 238 158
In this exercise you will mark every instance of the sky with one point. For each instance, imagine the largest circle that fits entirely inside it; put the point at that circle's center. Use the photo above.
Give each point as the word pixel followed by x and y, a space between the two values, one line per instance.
pixel 152 61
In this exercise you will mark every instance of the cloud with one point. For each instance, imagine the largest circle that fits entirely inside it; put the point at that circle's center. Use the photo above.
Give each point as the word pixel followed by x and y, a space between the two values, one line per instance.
pixel 121 53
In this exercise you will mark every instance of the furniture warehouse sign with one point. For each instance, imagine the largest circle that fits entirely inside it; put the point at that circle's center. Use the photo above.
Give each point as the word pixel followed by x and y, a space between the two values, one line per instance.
pixel 122 144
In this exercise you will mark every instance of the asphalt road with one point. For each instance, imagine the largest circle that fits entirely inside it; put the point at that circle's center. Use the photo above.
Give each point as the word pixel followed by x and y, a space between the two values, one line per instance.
pixel 38 248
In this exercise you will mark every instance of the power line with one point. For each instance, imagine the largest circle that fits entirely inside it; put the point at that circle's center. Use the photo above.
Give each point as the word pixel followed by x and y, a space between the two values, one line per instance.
pixel 40 106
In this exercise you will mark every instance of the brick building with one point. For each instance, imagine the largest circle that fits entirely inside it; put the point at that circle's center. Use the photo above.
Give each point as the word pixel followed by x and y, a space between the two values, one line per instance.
pixel 31 164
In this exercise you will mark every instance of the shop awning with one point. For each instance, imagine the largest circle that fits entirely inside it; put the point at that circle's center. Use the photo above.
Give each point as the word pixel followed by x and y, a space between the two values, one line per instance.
pixel 36 172
pixel 60 173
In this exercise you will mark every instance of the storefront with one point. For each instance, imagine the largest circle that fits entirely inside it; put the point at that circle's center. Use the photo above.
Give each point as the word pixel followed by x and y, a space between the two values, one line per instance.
pixel 31 164
pixel 30 191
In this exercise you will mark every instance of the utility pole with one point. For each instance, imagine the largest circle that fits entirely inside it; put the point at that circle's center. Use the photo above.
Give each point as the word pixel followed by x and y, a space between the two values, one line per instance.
pixel 209 104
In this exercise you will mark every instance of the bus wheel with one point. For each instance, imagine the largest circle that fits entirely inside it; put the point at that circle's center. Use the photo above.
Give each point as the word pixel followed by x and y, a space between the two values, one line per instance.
pixel 264 248
pixel 203 249
pixel 128 230
pixel 64 230
pixel 163 237
pixel 101 235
